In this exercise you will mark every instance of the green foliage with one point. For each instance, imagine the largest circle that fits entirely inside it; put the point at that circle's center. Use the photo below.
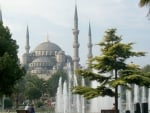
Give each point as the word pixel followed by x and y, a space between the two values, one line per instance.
pixel 89 93
pixel 10 70
pixel 135 75
pixel 146 68
pixel 33 93
pixel 92 76
pixel 34 87
pixel 53 81
pixel 117 82
pixel 144 3
pixel 39 104
pixel 8 103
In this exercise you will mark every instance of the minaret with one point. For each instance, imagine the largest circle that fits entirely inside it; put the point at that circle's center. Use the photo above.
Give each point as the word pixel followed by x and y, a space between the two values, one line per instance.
pixel 76 45
pixel 27 47
pixel 90 44
pixel 1 20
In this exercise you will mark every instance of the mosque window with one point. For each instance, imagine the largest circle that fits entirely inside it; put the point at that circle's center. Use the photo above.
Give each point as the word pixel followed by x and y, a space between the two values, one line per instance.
pixel 36 53
pixel 40 53
pixel 46 53
pixel 36 64
pixel 43 64
pixel 43 53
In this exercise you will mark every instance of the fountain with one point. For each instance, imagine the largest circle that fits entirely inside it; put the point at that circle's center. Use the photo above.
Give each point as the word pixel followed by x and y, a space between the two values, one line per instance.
pixel 100 103
pixel 128 100
pixel 65 98
pixel 59 101
pixel 66 102
pixel 143 98
pixel 82 99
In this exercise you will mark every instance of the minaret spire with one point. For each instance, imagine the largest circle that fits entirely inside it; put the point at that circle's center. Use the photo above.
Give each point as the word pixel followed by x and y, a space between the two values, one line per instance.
pixel 27 47
pixel 47 38
pixel 1 19
pixel 76 18
pixel 76 45
pixel 90 43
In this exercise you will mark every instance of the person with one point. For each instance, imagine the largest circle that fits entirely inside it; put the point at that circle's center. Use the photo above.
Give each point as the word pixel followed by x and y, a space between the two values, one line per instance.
pixel 27 107
pixel 114 107
pixel 31 109
pixel 8 111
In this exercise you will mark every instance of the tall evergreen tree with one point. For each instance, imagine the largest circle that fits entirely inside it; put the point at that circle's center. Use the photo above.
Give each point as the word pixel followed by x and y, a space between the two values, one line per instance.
pixel 112 69
pixel 10 70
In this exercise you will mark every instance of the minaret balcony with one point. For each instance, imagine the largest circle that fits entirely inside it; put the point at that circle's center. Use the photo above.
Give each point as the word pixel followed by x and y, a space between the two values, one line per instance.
pixel 75 31
pixel 89 45
pixel 76 59
pixel 76 45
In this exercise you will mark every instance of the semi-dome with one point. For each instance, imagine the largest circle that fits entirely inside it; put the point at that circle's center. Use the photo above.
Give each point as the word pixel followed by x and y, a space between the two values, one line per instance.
pixel 43 61
pixel 47 46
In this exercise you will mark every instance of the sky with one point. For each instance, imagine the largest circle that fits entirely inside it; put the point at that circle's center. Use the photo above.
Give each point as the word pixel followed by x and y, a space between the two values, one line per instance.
pixel 55 19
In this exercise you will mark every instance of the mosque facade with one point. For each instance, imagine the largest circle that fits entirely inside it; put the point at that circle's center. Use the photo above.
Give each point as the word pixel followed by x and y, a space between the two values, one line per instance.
pixel 45 59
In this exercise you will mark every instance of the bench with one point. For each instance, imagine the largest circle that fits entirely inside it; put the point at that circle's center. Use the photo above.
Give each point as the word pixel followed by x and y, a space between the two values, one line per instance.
pixel 22 111
pixel 108 111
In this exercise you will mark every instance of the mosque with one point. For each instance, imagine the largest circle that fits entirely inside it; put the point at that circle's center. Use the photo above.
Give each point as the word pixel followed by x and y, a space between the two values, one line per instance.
pixel 48 57
pixel 45 59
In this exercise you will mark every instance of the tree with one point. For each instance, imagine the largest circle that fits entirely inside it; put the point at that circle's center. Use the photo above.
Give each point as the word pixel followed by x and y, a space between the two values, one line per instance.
pixel 34 87
pixel 10 69
pixel 53 82
pixel 33 93
pixel 18 92
pixel 146 68
pixel 8 103
pixel 112 69
pixel 144 3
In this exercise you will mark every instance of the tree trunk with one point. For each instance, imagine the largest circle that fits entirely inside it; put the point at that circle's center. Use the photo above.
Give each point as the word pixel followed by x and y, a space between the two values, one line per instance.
pixel 116 94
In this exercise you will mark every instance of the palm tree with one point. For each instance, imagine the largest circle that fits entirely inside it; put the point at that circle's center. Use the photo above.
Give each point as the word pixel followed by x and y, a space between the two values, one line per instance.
pixel 144 3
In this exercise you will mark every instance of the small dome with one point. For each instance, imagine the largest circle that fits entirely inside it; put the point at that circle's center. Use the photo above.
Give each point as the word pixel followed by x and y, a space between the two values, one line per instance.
pixel 47 46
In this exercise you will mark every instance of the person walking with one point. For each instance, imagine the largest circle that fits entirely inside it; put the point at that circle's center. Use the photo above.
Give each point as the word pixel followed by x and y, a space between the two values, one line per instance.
pixel 31 109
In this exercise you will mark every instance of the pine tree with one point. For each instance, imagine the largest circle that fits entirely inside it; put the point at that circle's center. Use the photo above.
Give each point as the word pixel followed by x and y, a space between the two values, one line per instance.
pixel 112 69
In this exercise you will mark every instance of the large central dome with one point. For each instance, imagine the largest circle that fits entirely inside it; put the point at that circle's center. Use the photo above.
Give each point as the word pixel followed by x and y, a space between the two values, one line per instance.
pixel 47 46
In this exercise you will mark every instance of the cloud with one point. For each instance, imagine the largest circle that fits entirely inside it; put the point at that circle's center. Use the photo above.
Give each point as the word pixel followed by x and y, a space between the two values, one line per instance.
pixel 56 18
